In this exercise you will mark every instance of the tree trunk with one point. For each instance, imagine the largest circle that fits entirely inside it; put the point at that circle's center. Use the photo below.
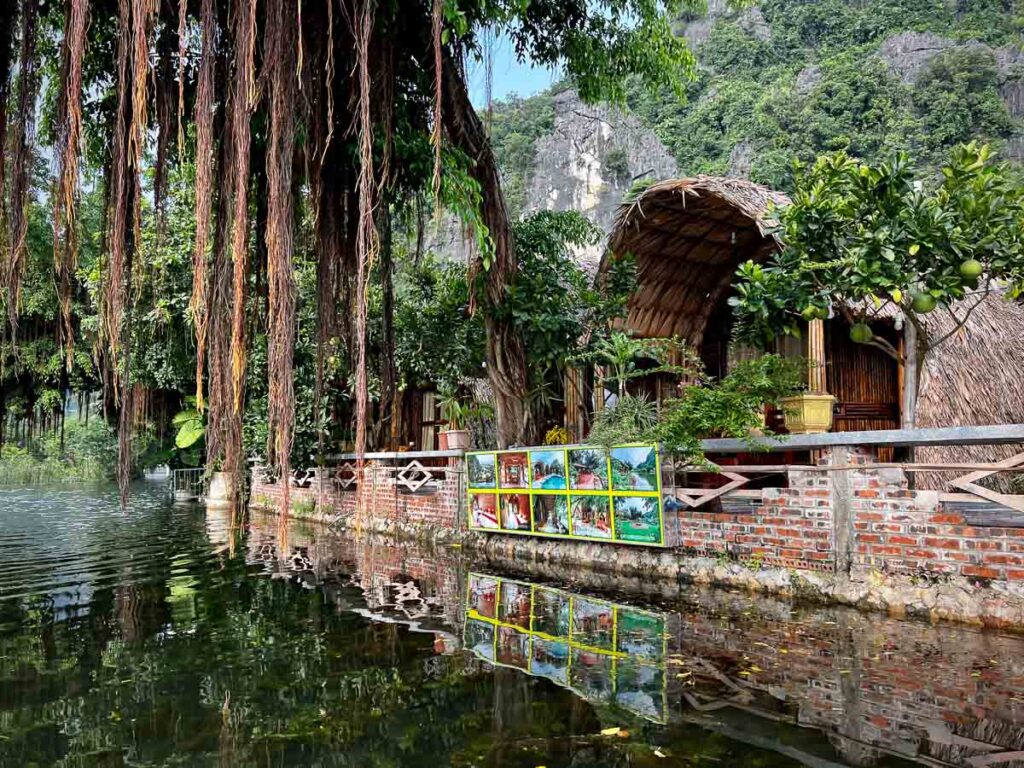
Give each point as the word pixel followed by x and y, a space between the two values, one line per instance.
pixel 911 374
pixel 506 354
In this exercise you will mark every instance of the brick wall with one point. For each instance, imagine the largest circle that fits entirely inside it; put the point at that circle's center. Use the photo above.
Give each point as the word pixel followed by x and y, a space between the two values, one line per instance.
pixel 904 531
pixel 380 496
pixel 862 519
pixel 790 527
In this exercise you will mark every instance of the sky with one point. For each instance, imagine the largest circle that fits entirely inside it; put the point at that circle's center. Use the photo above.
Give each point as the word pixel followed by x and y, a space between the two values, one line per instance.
pixel 509 76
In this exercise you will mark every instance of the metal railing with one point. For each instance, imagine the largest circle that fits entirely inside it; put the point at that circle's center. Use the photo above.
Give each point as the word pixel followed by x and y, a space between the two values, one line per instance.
pixel 188 484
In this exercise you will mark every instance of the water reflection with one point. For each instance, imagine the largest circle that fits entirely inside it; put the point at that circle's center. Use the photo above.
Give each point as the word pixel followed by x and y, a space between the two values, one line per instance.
pixel 188 637
pixel 602 651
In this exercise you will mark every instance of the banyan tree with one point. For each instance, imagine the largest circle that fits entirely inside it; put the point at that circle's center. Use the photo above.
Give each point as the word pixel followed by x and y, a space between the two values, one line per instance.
pixel 340 108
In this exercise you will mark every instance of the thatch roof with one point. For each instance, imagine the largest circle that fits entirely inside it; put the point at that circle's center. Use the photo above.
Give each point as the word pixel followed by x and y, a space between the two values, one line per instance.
pixel 975 377
pixel 688 237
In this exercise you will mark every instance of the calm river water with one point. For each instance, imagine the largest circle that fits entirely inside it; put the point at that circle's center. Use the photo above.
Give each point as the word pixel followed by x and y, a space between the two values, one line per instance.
pixel 162 637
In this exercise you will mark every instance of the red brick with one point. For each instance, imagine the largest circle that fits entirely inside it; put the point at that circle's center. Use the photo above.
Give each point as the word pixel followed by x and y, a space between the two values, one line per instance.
pixel 941 543
pixel 947 518
pixel 906 540
pixel 980 572
pixel 1014 574
pixel 1003 560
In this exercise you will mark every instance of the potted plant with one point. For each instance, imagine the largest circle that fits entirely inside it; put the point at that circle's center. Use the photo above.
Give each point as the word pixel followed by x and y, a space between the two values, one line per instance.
pixel 455 414
pixel 808 413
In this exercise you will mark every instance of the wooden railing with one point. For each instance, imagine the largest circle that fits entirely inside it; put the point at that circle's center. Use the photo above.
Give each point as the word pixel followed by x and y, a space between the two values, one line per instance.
pixel 839 444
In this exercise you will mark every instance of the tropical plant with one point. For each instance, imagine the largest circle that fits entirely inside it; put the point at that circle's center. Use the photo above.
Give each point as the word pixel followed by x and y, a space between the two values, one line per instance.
pixel 621 354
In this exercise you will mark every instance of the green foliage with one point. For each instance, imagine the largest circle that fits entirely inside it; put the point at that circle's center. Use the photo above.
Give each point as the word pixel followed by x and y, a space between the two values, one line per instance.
pixel 621 355
pixel 811 81
pixel 631 419
pixel 732 407
pixel 859 237
pixel 88 454
pixel 437 341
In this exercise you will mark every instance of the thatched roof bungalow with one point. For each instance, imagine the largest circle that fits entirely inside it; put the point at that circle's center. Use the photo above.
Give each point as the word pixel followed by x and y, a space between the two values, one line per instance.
pixel 688 237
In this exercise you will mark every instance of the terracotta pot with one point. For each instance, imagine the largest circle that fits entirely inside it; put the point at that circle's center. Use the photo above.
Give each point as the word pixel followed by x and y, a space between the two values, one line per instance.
pixel 442 441
pixel 455 440
pixel 808 414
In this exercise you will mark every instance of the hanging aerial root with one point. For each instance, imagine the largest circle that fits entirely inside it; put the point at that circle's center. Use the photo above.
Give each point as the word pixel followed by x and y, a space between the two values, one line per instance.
pixel 281 43
pixel 8 21
pixel 204 115
pixel 22 148
pixel 66 150
pixel 366 234
pixel 437 17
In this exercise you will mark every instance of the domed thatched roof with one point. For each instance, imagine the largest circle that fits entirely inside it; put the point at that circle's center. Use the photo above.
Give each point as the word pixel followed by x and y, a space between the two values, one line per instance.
pixel 688 237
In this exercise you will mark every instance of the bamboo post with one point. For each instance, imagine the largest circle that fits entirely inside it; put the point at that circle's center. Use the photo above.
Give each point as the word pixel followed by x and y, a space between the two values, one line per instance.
pixel 816 379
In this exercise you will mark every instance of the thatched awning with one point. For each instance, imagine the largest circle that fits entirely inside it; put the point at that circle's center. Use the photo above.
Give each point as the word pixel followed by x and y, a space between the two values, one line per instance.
pixel 688 237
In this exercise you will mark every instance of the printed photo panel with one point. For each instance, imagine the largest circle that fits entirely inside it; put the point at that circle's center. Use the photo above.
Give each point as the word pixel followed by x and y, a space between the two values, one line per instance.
pixel 588 469
pixel 638 518
pixel 547 470
pixel 551 514
pixel 591 517
pixel 635 468
pixel 483 510
pixel 514 470
pixel 481 470
pixel 515 511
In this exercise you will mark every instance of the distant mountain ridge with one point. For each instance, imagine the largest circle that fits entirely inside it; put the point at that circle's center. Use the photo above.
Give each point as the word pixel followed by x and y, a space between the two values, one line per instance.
pixel 784 79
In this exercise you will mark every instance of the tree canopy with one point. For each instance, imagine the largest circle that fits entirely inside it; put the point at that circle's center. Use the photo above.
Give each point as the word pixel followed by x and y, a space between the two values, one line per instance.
pixel 235 149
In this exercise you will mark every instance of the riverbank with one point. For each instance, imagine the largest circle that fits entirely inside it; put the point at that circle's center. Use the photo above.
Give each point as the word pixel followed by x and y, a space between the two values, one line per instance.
pixel 961 600
pixel 859 538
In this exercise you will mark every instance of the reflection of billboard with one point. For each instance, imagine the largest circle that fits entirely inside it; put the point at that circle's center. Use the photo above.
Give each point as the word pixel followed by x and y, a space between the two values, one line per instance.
pixel 578 492
pixel 479 638
pixel 483 597
pixel 603 651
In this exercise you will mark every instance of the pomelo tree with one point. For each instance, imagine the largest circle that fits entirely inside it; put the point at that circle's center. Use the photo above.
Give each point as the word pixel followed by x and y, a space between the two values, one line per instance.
pixel 868 242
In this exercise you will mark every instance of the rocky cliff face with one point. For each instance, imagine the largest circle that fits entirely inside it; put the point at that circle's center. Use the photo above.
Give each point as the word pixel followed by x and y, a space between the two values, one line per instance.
pixel 590 160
